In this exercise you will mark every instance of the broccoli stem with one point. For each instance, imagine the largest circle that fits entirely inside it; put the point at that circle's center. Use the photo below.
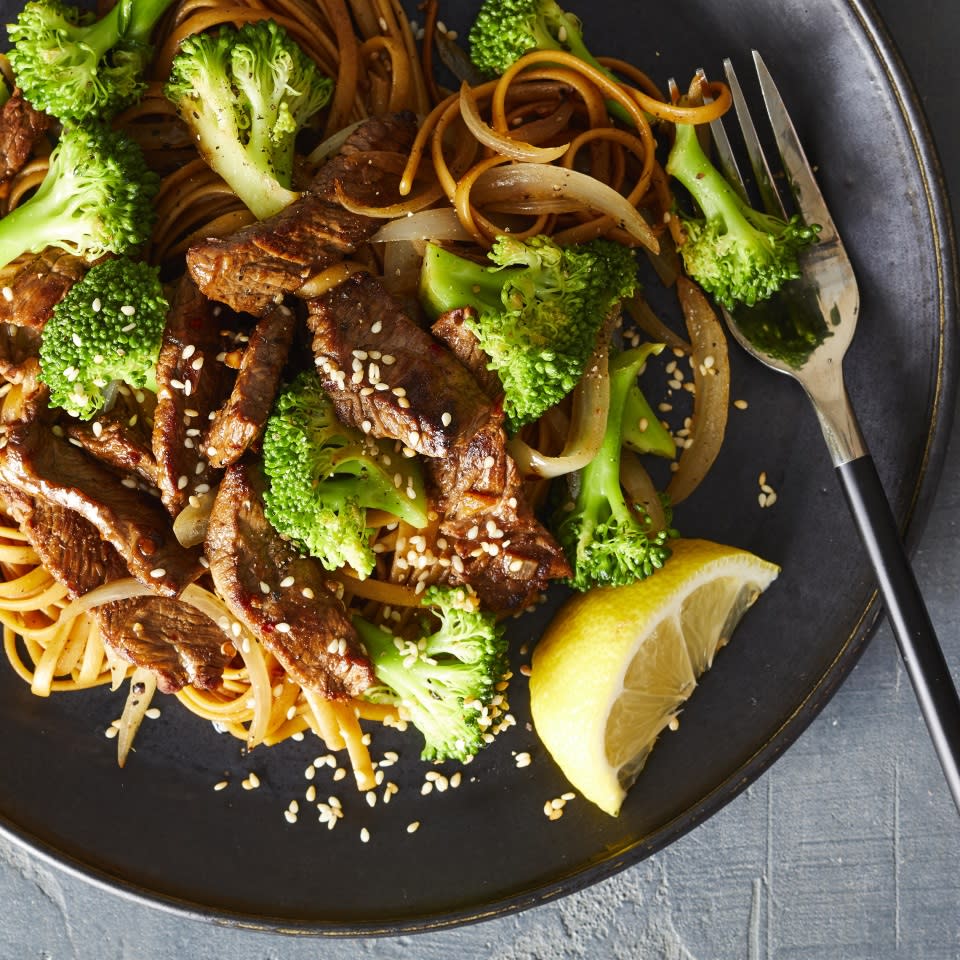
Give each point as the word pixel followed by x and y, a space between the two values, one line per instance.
pixel 382 650
pixel 254 183
pixel 143 16
pixel 43 222
pixel 129 21
pixel 714 196
pixel 449 281
pixel 602 474
pixel 601 477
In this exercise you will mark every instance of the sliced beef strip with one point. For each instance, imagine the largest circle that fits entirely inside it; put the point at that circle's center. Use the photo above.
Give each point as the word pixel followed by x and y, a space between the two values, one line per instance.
pixel 19 352
pixel 21 125
pixel 237 425
pixel 118 438
pixel 68 545
pixel 386 375
pixel 163 634
pixel 172 639
pixel 450 330
pixel 30 289
pixel 191 384
pixel 303 624
pixel 262 262
pixel 40 464
pixel 504 553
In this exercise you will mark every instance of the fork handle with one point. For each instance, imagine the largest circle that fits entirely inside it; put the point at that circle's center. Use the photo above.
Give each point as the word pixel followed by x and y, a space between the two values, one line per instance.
pixel 916 637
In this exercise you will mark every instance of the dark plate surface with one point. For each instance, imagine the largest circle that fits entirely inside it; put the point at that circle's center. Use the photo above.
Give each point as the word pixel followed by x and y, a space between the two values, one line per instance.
pixel 157 830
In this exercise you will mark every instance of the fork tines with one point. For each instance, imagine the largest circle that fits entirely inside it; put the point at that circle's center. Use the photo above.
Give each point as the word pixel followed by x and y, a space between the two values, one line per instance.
pixel 806 194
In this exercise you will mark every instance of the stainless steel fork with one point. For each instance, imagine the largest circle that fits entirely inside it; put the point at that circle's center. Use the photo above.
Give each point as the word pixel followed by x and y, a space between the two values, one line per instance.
pixel 804 332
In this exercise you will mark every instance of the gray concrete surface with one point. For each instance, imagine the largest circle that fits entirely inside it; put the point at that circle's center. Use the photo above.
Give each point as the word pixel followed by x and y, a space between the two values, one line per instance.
pixel 863 866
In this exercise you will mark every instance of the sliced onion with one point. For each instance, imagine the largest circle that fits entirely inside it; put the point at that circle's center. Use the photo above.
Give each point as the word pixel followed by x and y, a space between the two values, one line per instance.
pixel 525 182
pixel 711 400
pixel 332 277
pixel 500 143
pixel 591 401
pixel 439 223
pixel 250 650
pixel 401 266
pixel 331 145
pixel 143 685
pixel 641 314
pixel 190 524
pixel 426 198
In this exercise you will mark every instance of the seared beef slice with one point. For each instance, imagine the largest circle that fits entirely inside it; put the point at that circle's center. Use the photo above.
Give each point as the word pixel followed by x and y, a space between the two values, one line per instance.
pixel 238 424
pixel 163 634
pixel 282 597
pixel 386 375
pixel 40 464
pixel 21 125
pixel 32 288
pixel 191 383
pixel 173 640
pixel 262 262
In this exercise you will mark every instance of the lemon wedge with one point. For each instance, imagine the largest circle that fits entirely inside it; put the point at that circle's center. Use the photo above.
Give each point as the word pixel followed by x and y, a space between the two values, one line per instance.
pixel 616 664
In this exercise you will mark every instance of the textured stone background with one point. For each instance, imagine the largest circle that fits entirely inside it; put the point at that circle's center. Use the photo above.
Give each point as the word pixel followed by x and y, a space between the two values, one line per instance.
pixel 847 849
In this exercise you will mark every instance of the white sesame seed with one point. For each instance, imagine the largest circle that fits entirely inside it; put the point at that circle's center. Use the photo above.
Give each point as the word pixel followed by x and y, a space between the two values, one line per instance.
pixel 283 627
pixel 413 827
pixel 157 573
pixel 221 785
pixel 127 310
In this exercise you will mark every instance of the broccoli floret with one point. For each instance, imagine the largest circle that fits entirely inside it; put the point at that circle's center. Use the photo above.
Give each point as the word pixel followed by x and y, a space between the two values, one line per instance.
pixel 505 30
pixel 96 198
pixel 607 540
pixel 106 330
pixel 246 94
pixel 538 311
pixel 445 680
pixel 324 476
pixel 75 67
pixel 736 253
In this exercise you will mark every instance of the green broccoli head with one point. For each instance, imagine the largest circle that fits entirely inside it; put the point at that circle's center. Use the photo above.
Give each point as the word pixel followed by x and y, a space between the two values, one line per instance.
pixel 505 30
pixel 107 329
pixel 608 541
pixel 75 67
pixel 96 198
pixel 445 680
pixel 734 252
pixel 538 311
pixel 246 93
pixel 324 476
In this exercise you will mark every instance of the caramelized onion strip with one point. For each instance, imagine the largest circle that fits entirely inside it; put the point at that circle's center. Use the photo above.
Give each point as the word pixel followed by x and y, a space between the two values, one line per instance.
pixel 711 399
pixel 591 401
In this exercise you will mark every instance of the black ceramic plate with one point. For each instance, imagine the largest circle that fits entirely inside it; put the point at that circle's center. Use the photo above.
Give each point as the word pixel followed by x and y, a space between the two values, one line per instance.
pixel 158 831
